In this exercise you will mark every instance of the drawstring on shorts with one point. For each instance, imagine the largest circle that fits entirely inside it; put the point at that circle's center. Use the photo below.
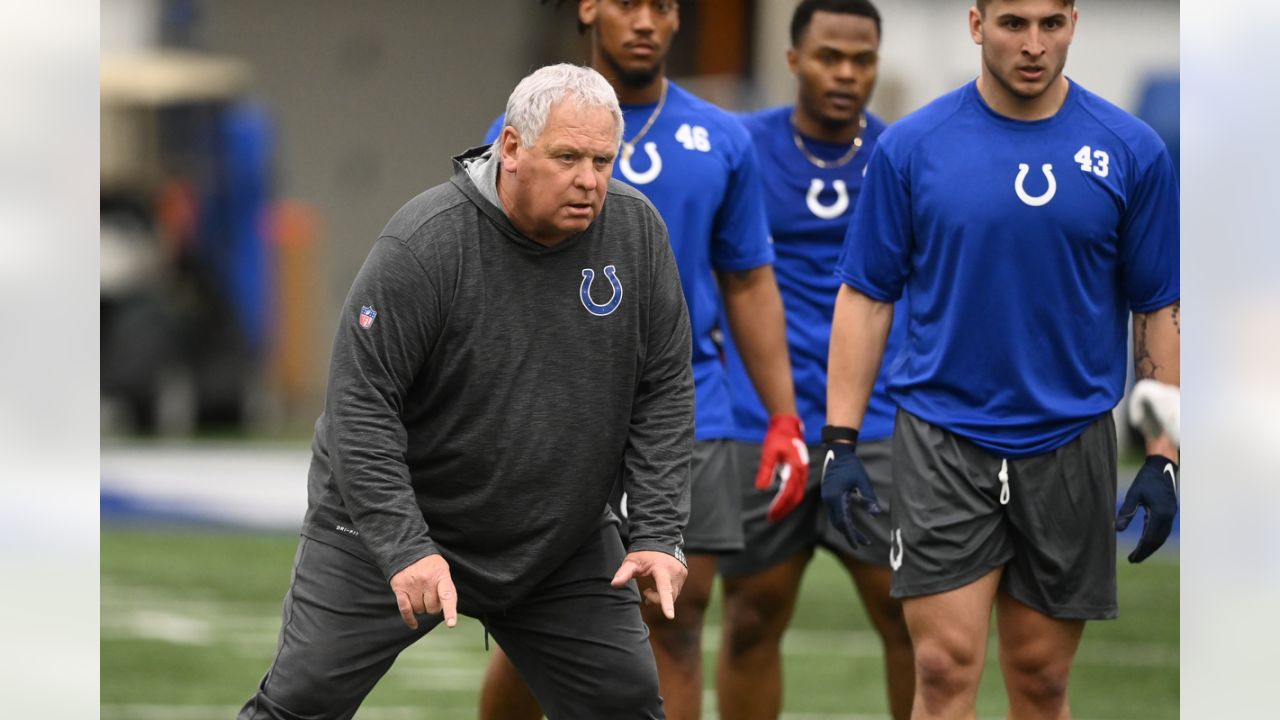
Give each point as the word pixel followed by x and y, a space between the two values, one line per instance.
pixel 1004 482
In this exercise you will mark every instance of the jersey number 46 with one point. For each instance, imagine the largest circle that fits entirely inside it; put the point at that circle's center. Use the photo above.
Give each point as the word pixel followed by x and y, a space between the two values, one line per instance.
pixel 694 137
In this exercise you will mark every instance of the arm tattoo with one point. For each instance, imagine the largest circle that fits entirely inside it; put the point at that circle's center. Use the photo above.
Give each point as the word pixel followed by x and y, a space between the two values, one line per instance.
pixel 1143 365
pixel 1176 310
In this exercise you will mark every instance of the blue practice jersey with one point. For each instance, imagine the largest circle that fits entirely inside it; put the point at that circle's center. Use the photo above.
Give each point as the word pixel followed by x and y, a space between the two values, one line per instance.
pixel 1022 247
pixel 809 209
pixel 697 166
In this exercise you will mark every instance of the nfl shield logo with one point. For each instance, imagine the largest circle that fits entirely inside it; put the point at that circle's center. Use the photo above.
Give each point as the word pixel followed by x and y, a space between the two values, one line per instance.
pixel 367 314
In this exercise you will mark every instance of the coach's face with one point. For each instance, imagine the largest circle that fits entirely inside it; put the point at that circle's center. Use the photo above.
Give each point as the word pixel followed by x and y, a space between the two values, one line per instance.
pixel 1024 43
pixel 556 187
pixel 836 61
pixel 632 37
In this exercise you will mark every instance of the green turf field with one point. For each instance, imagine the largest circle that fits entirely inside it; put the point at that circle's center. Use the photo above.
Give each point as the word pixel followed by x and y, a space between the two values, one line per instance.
pixel 189 620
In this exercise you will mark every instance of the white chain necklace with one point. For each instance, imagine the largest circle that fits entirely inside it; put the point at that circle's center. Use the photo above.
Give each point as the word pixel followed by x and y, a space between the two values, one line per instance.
pixel 629 146
pixel 827 164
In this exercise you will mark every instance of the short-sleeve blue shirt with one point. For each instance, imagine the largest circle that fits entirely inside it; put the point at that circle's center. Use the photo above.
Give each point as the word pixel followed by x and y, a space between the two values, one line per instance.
pixel 697 166
pixel 809 209
pixel 1022 247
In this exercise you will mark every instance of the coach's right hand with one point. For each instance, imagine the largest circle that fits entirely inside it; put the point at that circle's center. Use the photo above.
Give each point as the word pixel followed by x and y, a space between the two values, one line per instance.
pixel 844 484
pixel 426 588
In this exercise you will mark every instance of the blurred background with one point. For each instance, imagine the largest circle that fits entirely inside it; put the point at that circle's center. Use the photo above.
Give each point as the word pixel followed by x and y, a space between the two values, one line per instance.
pixel 250 152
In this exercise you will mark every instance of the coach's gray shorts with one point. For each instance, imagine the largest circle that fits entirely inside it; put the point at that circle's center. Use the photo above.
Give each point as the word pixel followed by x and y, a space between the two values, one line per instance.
pixel 768 544
pixel 1055 536
pixel 715 505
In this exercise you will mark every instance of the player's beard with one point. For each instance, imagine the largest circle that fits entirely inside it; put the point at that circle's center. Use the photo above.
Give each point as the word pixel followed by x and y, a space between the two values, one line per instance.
pixel 631 78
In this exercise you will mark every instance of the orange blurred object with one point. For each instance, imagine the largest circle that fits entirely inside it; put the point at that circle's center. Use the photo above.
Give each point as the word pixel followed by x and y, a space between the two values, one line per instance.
pixel 294 231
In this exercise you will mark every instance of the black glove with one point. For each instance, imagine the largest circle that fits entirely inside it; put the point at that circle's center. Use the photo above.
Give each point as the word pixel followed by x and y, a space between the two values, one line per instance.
pixel 845 484
pixel 1156 489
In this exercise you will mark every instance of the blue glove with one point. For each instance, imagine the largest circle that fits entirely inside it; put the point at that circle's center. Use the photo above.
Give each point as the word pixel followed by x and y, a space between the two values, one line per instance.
pixel 1155 489
pixel 845 484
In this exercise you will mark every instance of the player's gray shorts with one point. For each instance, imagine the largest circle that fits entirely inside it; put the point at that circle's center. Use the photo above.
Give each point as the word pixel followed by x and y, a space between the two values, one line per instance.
pixel 768 544
pixel 579 643
pixel 1055 535
pixel 715 505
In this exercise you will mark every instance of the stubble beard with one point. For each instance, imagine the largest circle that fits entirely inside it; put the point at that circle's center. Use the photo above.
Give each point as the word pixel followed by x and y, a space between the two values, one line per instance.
pixel 1013 89
pixel 831 125
pixel 632 79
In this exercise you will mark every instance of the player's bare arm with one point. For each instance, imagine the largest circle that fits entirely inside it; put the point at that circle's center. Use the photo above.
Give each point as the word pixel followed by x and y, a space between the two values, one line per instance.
pixel 1156 347
pixel 859 330
pixel 753 306
pixel 1157 343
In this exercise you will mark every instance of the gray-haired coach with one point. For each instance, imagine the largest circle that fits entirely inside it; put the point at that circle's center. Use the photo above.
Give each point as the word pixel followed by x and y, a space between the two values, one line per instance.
pixel 513 346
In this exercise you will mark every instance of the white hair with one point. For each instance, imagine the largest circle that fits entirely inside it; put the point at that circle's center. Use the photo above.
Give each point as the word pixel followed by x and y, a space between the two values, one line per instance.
pixel 530 103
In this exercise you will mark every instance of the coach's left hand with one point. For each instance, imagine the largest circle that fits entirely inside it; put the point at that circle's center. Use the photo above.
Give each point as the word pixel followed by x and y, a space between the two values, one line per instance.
pixel 1156 490
pixel 665 576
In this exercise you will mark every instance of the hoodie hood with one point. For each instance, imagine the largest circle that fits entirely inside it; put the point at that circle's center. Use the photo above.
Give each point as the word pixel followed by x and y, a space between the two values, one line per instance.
pixel 483 169
pixel 475 173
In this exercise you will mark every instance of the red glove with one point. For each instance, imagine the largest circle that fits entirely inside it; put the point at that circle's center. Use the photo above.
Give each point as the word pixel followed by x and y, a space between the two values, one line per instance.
pixel 784 455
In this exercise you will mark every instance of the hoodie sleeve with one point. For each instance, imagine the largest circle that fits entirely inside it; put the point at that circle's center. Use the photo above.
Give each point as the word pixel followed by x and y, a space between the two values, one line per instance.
pixel 388 326
pixel 660 446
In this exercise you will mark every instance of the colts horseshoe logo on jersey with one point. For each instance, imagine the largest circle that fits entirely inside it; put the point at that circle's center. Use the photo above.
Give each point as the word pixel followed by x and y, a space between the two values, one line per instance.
pixel 641 178
pixel 832 211
pixel 1035 200
pixel 584 292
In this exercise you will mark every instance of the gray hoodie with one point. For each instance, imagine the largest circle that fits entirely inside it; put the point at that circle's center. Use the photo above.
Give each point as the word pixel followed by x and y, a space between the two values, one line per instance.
pixel 486 392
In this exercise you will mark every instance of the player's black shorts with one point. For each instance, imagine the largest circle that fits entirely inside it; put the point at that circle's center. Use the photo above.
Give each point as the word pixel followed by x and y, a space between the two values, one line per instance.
pixel 1053 532
pixel 768 544
pixel 715 504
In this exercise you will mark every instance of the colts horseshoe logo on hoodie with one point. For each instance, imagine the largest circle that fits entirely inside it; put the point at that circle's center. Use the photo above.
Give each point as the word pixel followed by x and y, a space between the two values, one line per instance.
pixel 584 292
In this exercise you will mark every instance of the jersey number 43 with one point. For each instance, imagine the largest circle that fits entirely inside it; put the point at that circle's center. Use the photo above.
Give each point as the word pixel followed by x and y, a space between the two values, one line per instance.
pixel 1094 161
